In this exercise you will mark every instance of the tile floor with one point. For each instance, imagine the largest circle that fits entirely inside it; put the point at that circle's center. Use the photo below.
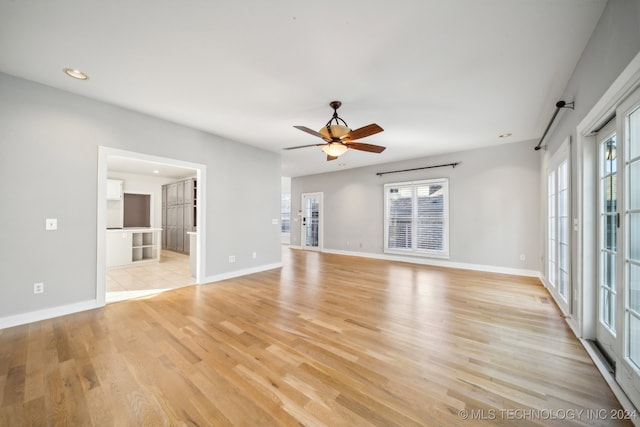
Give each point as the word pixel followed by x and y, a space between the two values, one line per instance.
pixel 133 282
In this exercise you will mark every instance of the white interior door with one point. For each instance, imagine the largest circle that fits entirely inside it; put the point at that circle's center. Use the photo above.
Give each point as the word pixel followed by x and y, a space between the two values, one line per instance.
pixel 312 218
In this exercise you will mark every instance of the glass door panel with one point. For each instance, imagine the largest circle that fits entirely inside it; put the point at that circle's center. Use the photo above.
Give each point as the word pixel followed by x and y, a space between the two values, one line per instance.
pixel 608 230
pixel 311 221
pixel 633 236
pixel 559 228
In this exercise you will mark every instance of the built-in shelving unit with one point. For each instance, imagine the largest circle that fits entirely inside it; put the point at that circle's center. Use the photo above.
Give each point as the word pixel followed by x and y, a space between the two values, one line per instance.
pixel 127 247
pixel 143 246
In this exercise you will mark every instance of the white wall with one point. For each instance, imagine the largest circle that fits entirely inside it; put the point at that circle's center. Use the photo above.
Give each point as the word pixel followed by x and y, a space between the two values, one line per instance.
pixel 494 206
pixel 49 143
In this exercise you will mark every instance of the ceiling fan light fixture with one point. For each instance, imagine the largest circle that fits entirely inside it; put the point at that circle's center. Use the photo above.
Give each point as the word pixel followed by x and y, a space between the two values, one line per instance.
pixel 337 131
pixel 335 149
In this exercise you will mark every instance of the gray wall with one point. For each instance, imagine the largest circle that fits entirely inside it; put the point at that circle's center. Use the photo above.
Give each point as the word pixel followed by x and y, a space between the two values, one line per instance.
pixel 613 44
pixel 49 160
pixel 494 205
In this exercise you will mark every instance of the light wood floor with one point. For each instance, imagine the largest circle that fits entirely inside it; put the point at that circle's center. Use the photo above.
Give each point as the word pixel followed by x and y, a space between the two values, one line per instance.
pixel 326 340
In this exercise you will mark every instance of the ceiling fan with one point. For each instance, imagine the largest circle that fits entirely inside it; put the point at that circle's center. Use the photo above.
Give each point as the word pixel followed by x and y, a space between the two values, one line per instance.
pixel 339 137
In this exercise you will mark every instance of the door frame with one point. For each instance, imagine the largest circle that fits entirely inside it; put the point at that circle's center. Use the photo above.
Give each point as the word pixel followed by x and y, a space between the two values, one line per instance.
pixel 101 224
pixel 584 323
pixel 320 246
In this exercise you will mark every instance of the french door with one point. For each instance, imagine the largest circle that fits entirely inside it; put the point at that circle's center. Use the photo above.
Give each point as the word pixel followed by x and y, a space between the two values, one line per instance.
pixel 558 228
pixel 312 220
pixel 618 331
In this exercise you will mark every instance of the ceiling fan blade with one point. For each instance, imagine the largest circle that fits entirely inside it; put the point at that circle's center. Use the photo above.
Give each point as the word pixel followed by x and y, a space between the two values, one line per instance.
pixel 311 131
pixel 365 147
pixel 303 146
pixel 363 132
pixel 331 157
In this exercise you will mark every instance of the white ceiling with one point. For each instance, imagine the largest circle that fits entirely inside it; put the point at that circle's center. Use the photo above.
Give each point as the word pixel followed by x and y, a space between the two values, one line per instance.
pixel 437 75
pixel 143 167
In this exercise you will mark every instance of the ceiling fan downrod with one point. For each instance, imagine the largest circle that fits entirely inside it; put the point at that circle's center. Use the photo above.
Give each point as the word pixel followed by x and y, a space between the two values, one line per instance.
pixel 337 119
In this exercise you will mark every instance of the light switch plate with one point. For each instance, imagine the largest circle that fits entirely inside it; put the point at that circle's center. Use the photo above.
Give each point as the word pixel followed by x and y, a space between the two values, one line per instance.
pixel 51 224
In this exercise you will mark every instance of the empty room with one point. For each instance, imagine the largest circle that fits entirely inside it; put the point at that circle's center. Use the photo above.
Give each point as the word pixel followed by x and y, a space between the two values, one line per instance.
pixel 351 213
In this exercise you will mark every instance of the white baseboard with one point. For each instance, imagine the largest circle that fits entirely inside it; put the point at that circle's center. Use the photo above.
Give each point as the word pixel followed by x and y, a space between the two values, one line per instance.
pixel 439 263
pixel 238 273
pixel 47 313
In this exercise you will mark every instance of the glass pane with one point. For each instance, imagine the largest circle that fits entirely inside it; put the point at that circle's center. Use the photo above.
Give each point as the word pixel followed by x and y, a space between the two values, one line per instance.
pixel 311 219
pixel 634 339
pixel 610 232
pixel 430 222
pixel 634 185
pixel 564 283
pixel 634 287
pixel 562 203
pixel 608 270
pixel 634 134
pixel 634 236
pixel 607 308
pixel 400 216
pixel 610 155
pixel 610 193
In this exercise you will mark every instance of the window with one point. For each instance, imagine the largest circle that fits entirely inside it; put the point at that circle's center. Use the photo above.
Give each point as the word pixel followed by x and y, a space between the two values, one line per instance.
pixel 417 218
pixel 285 212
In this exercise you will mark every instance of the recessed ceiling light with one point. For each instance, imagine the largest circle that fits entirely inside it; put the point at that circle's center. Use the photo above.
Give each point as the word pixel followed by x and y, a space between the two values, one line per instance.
pixel 156 171
pixel 505 135
pixel 76 74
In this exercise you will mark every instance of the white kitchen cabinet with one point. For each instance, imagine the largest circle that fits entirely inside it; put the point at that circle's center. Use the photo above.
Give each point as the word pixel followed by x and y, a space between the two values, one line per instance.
pixel 114 189
pixel 118 248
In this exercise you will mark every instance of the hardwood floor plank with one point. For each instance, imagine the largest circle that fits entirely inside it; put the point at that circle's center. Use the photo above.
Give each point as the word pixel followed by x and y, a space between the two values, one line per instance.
pixel 324 340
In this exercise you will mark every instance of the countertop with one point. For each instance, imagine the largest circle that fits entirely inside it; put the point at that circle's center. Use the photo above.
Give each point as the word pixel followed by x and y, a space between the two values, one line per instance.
pixel 132 230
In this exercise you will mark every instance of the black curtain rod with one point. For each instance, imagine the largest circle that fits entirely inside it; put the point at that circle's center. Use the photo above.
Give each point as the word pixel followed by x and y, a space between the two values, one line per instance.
pixel 453 165
pixel 559 105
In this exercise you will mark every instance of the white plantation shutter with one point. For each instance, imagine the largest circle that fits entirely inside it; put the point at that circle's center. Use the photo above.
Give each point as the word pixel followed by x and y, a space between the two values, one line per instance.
pixel 400 217
pixel 417 218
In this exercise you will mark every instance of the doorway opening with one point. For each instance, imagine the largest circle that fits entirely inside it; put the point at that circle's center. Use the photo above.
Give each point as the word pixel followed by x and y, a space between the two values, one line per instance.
pixel 132 259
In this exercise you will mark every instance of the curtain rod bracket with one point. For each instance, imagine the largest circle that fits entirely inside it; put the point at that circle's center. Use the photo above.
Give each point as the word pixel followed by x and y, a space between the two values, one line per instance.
pixel 559 105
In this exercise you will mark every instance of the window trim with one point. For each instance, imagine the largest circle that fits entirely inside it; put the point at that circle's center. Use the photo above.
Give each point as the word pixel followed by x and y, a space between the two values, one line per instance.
pixel 444 254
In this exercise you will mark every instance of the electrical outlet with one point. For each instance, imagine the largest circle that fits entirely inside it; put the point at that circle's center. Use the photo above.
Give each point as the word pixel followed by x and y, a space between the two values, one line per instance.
pixel 38 288
pixel 255 255
pixel 51 224
pixel 232 258
pixel 522 257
